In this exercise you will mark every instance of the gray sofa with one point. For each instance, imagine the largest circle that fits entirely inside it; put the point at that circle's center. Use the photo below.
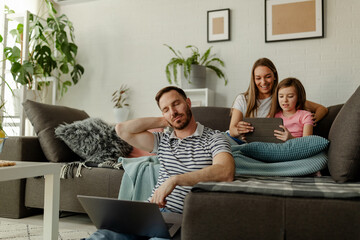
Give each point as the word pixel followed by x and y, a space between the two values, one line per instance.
pixel 207 215
pixel 222 214
pixel 19 197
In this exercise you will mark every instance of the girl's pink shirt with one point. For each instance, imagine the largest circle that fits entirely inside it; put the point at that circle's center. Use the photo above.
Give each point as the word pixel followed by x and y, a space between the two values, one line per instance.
pixel 295 124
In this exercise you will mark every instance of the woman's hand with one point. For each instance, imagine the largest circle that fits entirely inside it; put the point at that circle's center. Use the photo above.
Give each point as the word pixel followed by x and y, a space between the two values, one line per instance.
pixel 319 111
pixel 238 128
pixel 243 128
pixel 283 135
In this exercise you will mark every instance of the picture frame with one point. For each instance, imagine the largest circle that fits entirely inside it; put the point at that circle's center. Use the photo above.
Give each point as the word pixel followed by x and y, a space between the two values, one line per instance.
pixel 218 25
pixel 293 20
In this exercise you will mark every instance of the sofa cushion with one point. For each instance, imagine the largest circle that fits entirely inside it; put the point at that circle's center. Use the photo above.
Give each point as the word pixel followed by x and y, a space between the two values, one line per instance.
pixel 94 140
pixel 293 149
pixel 344 136
pixel 45 118
pixel 322 127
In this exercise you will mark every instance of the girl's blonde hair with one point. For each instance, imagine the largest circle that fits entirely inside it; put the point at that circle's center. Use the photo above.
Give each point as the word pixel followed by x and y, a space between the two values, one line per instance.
pixel 300 92
pixel 252 93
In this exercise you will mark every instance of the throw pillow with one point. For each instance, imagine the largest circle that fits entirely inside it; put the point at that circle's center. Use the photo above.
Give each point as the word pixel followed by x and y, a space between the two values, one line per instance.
pixel 344 135
pixel 94 140
pixel 45 118
pixel 293 149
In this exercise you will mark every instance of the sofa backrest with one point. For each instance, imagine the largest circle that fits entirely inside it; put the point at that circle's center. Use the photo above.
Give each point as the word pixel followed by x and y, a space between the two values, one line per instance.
pixel 218 118
pixel 322 128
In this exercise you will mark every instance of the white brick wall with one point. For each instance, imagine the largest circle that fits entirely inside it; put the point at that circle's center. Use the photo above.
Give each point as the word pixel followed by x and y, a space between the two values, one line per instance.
pixel 122 42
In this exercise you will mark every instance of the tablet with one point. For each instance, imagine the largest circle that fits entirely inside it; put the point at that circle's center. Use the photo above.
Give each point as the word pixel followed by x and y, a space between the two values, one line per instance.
pixel 264 129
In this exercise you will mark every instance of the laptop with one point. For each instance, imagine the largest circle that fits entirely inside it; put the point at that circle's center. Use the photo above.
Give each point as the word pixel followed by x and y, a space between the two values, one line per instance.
pixel 264 129
pixel 132 217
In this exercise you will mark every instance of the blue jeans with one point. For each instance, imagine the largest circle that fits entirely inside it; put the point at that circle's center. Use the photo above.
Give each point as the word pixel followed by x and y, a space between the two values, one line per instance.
pixel 237 140
pixel 104 234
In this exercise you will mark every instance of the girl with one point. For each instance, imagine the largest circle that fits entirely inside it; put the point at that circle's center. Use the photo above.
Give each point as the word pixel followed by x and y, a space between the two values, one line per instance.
pixel 289 105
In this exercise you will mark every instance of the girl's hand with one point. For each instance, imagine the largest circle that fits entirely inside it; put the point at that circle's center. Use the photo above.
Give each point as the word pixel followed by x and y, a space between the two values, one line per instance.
pixel 283 135
pixel 244 127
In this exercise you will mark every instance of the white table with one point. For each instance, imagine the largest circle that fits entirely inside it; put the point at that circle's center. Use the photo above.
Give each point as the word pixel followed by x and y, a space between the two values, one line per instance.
pixel 51 172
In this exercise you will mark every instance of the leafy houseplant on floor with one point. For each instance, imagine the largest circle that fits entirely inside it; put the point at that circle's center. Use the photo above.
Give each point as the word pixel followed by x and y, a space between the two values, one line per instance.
pixel 121 106
pixel 51 52
pixel 193 68
pixel 2 132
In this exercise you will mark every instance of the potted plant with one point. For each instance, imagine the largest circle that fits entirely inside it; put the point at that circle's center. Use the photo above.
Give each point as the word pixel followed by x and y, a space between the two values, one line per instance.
pixel 51 53
pixel 193 68
pixel 2 132
pixel 121 106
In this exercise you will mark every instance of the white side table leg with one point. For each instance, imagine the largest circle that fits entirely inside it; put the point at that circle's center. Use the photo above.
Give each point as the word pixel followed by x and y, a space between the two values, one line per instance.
pixel 51 206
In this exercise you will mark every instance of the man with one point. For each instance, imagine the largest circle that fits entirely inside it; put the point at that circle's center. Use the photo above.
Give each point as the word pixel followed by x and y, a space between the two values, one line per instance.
pixel 190 154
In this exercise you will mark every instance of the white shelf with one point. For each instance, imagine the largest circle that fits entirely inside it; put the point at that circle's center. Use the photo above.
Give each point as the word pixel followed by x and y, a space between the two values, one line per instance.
pixel 200 96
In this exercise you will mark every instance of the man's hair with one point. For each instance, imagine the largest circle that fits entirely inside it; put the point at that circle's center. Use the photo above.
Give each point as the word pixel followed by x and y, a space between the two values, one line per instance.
pixel 168 89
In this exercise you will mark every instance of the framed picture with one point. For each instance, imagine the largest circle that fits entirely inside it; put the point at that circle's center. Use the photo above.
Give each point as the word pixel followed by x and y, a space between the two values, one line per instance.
pixel 218 25
pixel 293 19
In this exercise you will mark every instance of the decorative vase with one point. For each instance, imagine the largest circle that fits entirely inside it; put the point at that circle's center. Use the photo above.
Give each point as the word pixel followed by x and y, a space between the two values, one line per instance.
pixel 197 78
pixel 121 114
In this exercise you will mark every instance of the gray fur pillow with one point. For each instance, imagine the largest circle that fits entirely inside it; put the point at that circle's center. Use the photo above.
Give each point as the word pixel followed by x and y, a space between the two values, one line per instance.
pixel 94 140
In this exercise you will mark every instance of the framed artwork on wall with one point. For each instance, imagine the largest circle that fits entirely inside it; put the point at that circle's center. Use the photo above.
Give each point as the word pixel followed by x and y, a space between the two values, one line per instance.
pixel 293 19
pixel 218 25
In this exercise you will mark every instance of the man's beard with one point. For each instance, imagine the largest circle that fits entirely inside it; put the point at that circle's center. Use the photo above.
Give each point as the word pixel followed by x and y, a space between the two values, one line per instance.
pixel 185 123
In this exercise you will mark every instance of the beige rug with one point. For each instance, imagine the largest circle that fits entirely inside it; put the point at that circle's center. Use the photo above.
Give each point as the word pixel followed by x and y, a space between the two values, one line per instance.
pixel 19 231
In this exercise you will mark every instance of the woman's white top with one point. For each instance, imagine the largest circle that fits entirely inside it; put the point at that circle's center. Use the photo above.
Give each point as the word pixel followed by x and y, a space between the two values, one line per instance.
pixel 262 111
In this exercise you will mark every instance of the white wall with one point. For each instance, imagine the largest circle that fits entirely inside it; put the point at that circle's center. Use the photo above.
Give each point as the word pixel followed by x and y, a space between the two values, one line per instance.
pixel 122 42
pixel 20 6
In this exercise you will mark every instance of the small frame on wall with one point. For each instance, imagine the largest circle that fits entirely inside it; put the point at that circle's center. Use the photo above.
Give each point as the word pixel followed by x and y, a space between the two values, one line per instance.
pixel 293 19
pixel 218 25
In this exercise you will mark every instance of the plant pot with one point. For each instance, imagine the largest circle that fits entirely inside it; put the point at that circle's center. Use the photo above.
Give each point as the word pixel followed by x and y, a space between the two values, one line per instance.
pixel 197 78
pixel 121 114
pixel 2 142
pixel 29 94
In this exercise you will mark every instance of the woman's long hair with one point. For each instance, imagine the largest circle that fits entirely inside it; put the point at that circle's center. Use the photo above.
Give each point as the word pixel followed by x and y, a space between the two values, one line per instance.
pixel 300 92
pixel 252 93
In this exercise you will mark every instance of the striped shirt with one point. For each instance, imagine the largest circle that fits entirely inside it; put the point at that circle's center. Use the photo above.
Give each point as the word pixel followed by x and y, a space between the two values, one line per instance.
pixel 178 156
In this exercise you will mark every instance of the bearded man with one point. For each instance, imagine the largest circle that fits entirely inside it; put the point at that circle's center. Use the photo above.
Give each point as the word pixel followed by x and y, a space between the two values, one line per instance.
pixel 190 154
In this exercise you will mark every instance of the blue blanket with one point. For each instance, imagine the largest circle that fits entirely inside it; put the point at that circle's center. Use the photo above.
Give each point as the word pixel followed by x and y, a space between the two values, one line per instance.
pixel 140 177
pixel 249 166
pixel 141 173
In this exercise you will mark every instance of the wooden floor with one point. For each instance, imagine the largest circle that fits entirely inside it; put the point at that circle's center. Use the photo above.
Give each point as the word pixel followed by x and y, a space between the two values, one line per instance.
pixel 67 221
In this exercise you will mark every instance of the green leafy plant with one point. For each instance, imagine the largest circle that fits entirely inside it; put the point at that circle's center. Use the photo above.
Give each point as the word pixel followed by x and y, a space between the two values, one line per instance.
pixel 2 133
pixel 120 97
pixel 207 59
pixel 52 52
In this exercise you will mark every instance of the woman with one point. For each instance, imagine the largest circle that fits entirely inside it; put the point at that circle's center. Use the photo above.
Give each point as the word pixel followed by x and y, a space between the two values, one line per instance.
pixel 256 101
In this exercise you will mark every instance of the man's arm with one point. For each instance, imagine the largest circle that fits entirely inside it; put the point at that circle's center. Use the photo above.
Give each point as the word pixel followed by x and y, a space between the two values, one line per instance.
pixel 135 132
pixel 221 170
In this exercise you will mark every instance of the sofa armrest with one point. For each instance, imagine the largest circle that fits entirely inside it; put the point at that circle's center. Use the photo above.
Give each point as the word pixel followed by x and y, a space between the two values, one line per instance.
pixel 232 216
pixel 23 149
